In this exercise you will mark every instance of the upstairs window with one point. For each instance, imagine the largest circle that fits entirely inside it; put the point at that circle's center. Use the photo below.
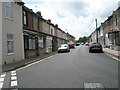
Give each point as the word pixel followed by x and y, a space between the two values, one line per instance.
pixel 24 18
pixel 116 19
pixel 8 8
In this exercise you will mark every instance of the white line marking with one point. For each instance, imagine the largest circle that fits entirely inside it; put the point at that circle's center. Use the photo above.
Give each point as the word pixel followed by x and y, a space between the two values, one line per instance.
pixel 112 57
pixel 13 83
pixel 1 85
pixel 14 78
pixel 13 72
pixel 1 79
pixel 35 62
pixel 3 75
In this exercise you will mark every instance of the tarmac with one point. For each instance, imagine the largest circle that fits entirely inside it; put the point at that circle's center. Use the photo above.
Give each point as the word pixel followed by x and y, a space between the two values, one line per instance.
pixel 22 63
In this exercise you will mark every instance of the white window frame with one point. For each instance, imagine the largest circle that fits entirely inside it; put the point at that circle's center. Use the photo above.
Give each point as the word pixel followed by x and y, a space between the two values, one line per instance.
pixel 10 40
pixel 8 5
pixel 24 17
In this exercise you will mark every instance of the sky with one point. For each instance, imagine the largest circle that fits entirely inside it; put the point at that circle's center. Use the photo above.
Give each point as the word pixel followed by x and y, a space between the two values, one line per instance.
pixel 76 17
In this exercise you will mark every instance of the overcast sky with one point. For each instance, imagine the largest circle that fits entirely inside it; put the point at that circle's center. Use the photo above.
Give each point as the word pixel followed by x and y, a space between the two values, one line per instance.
pixel 74 16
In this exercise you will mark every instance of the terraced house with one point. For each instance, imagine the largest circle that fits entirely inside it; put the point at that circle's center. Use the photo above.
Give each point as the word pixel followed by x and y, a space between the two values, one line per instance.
pixel 108 34
pixel 11 36
pixel 26 34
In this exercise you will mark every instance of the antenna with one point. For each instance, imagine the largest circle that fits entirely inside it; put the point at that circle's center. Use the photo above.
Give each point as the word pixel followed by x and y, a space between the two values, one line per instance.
pixel 118 4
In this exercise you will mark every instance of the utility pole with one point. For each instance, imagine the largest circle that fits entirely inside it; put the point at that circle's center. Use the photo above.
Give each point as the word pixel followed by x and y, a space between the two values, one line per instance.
pixel 96 30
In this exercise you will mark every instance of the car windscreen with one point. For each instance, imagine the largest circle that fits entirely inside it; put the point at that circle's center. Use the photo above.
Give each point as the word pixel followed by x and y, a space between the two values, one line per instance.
pixel 63 46
pixel 95 44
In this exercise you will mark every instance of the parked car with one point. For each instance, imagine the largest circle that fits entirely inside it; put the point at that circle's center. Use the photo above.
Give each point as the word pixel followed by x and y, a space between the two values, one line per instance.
pixel 71 46
pixel 86 44
pixel 77 44
pixel 82 43
pixel 63 48
pixel 95 47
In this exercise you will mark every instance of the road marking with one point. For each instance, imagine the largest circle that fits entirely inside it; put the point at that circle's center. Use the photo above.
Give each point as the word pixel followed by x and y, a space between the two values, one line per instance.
pixel 1 85
pixel 13 72
pixel 14 82
pixel 2 77
pixel 13 78
pixel 117 59
pixel 35 62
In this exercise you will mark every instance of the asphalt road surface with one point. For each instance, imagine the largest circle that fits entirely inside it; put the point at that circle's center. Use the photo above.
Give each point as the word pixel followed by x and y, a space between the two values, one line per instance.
pixel 70 70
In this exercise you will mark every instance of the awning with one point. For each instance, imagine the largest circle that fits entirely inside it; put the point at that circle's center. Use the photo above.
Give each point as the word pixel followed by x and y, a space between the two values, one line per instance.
pixel 29 32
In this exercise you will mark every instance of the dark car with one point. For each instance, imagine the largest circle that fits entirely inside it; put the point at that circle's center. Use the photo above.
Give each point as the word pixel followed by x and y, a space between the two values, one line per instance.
pixel 71 46
pixel 77 44
pixel 95 47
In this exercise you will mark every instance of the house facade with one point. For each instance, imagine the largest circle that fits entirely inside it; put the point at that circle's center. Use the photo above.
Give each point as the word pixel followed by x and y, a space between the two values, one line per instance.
pixel 70 39
pixel 108 34
pixel 11 32
pixel 26 34
pixel 29 33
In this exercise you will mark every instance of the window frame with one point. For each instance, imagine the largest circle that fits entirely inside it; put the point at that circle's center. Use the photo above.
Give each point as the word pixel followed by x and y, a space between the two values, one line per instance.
pixel 8 6
pixel 25 15
pixel 10 40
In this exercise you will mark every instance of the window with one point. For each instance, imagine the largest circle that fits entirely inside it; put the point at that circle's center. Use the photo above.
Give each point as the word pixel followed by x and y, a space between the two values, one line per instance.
pixel 40 41
pixel 26 42
pixel 116 19
pixel 24 18
pixel 8 8
pixel 51 31
pixel 10 43
pixel 32 44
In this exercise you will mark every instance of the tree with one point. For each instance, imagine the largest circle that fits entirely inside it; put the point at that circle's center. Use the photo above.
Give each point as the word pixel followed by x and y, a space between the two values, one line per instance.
pixel 83 39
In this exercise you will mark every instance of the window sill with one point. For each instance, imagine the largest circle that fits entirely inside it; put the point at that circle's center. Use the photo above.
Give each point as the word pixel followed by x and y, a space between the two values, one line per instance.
pixel 10 54
pixel 9 18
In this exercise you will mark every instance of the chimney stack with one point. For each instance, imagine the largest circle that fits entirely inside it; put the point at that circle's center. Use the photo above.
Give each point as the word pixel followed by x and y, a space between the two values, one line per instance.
pixel 39 13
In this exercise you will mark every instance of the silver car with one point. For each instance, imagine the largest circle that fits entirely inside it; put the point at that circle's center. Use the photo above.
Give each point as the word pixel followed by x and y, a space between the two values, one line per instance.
pixel 63 48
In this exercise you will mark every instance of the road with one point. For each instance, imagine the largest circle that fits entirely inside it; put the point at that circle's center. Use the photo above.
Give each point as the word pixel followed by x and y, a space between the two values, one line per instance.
pixel 70 70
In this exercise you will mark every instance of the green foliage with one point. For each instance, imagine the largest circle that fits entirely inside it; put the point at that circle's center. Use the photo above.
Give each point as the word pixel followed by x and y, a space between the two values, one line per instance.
pixel 83 39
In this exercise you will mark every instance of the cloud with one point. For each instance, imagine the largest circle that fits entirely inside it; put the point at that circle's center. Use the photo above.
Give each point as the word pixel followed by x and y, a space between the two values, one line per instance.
pixel 77 16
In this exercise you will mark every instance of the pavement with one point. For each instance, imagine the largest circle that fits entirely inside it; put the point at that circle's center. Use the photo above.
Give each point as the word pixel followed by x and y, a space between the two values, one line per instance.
pixel 16 65
pixel 112 52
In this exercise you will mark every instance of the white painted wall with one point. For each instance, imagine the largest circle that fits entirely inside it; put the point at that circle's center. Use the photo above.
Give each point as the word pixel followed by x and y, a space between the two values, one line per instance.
pixel 14 27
